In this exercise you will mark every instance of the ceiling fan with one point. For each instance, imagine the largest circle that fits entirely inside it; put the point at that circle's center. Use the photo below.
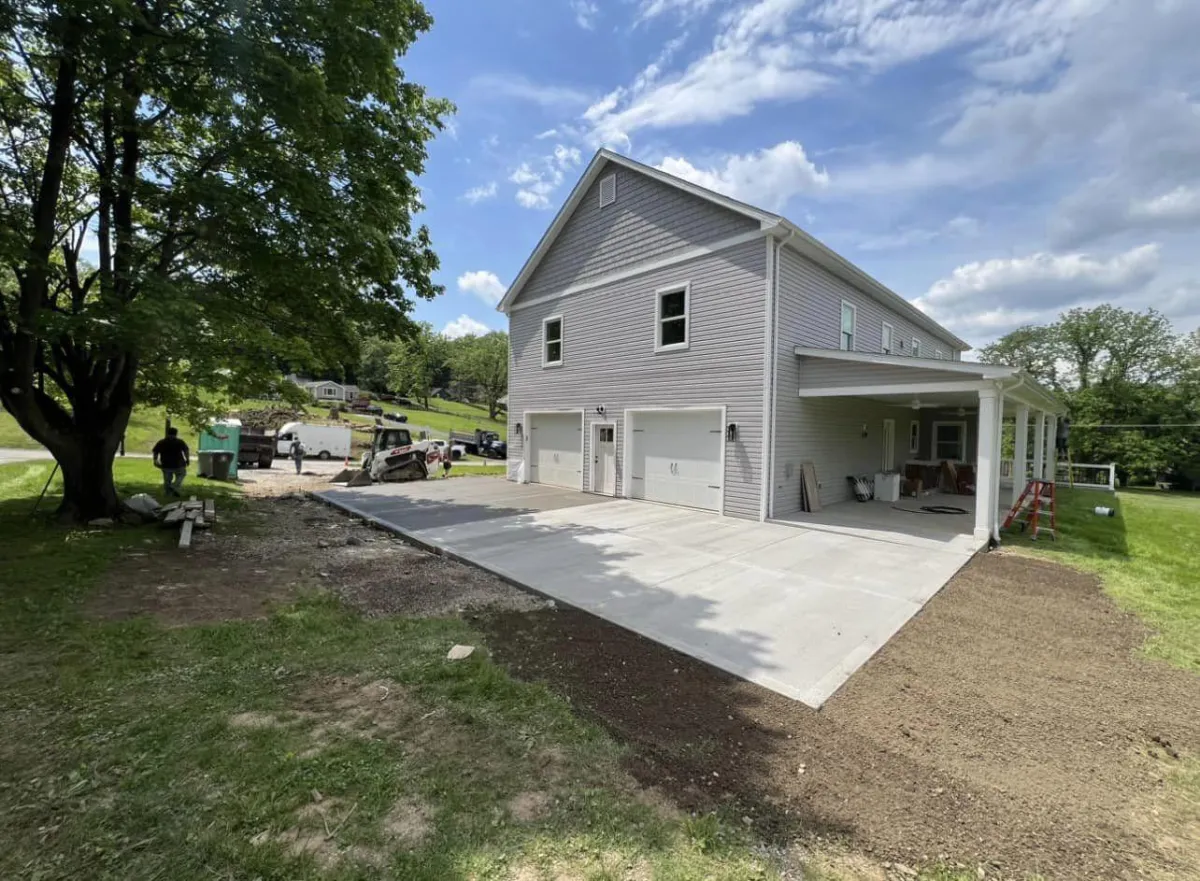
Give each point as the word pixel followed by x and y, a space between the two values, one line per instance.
pixel 918 404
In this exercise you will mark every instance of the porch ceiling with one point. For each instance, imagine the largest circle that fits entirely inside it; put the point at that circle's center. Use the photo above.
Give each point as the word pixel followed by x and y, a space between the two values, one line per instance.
pixel 936 400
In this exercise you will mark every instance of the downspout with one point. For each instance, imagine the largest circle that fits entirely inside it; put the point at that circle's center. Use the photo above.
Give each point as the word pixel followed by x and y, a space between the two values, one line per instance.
pixel 772 373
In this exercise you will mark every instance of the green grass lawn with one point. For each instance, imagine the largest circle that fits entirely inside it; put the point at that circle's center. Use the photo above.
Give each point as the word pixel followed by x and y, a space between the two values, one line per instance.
pixel 146 424
pixel 1147 556
pixel 315 744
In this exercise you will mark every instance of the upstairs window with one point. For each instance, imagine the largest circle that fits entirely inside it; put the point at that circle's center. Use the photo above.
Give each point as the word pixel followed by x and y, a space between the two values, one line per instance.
pixel 671 318
pixel 937 353
pixel 552 341
pixel 916 347
pixel 849 327
pixel 888 337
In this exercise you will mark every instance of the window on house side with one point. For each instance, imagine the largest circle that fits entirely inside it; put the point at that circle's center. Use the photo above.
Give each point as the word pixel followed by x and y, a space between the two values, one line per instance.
pixel 673 310
pixel 914 437
pixel 552 341
pixel 949 441
pixel 916 348
pixel 888 335
pixel 849 326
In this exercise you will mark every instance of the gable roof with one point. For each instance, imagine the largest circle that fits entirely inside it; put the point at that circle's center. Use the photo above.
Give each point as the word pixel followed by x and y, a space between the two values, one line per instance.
pixel 776 224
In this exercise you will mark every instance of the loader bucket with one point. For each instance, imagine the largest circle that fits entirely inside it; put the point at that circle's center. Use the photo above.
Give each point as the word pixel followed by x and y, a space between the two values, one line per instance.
pixel 344 475
pixel 361 478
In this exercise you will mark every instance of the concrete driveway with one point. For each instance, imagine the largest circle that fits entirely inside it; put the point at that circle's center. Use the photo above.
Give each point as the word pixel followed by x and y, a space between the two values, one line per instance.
pixel 793 609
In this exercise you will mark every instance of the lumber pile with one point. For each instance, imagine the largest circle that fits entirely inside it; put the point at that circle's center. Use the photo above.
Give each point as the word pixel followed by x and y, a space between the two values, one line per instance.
pixel 188 517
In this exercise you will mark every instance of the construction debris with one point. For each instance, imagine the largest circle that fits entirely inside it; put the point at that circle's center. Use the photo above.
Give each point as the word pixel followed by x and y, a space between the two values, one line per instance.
pixel 460 652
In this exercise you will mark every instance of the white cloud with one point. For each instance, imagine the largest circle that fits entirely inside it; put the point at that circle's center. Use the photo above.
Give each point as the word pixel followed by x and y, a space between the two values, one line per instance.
pixel 1106 207
pixel 464 325
pixel 957 227
pixel 548 133
pixel 586 13
pixel 1001 293
pixel 483 284
pixel 685 9
pixel 767 179
pixel 537 182
pixel 479 194
pixel 514 86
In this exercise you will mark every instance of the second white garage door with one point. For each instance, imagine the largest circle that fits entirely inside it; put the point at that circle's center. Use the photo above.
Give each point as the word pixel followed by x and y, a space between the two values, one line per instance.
pixel 555 449
pixel 676 457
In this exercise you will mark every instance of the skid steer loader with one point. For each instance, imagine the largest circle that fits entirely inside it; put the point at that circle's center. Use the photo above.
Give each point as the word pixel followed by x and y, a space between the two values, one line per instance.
pixel 393 456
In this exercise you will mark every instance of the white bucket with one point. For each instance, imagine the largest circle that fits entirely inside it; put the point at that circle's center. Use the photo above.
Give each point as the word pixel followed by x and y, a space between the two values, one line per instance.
pixel 1101 511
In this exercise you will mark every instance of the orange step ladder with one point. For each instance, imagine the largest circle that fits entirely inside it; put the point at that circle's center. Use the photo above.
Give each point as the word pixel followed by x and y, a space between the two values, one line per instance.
pixel 1037 503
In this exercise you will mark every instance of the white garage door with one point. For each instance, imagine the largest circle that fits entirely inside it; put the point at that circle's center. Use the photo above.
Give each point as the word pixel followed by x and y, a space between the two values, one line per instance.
pixel 555 449
pixel 676 458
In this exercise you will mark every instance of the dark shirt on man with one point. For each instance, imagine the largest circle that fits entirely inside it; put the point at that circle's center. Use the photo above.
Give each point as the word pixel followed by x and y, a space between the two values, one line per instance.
pixel 172 453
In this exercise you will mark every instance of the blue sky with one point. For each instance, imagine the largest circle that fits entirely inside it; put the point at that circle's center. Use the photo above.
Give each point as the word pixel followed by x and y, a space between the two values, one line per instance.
pixel 995 161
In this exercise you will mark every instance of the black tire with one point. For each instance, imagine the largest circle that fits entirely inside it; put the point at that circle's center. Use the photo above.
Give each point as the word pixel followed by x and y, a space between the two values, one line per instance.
pixel 324 455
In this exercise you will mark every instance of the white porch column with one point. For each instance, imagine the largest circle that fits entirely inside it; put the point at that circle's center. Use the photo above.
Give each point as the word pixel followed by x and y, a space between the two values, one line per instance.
pixel 987 462
pixel 1020 453
pixel 1039 445
pixel 996 470
pixel 1051 448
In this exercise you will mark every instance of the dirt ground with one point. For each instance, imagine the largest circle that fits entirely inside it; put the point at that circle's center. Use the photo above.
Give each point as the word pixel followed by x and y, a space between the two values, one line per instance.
pixel 280 547
pixel 1012 725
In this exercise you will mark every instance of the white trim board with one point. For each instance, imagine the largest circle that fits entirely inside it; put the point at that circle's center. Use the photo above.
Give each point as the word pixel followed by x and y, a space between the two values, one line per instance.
pixel 907 388
pixel 641 269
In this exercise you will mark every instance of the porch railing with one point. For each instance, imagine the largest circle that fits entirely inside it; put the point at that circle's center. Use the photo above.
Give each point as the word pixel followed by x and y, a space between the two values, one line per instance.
pixel 1076 474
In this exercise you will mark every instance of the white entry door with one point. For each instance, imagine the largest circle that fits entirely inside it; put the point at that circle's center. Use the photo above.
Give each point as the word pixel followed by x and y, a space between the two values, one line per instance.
pixel 604 459
pixel 556 449
pixel 889 445
pixel 676 457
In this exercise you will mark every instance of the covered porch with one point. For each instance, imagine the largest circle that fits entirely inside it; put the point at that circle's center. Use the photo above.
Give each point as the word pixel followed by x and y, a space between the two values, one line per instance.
pixel 900 422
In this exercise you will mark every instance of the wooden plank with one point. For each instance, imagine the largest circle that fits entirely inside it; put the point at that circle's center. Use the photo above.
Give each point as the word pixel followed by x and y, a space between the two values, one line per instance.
pixel 210 510
pixel 174 516
pixel 809 472
pixel 185 534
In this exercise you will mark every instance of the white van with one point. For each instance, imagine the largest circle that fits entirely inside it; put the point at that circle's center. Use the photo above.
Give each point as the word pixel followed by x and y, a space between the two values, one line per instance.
pixel 322 441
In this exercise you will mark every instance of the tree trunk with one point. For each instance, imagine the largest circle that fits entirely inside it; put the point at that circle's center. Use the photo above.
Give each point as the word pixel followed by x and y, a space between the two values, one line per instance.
pixel 88 488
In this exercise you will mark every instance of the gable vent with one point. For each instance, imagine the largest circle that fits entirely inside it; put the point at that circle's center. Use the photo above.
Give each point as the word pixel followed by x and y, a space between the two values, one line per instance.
pixel 608 190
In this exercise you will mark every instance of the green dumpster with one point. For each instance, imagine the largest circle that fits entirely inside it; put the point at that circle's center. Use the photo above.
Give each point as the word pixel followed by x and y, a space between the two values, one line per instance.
pixel 221 437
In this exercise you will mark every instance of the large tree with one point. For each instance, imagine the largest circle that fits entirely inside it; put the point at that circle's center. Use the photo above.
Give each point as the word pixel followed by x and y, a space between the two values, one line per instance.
pixel 1132 385
pixel 482 361
pixel 192 192
pixel 417 365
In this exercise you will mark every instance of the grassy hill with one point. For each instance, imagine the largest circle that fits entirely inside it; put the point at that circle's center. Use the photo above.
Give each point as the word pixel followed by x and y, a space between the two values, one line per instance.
pixel 146 424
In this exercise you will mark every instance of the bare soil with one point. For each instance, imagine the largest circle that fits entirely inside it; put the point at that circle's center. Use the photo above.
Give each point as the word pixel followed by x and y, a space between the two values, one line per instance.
pixel 281 547
pixel 1012 724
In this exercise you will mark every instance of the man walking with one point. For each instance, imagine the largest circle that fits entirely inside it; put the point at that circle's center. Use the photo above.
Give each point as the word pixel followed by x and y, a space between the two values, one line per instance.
pixel 297 451
pixel 172 456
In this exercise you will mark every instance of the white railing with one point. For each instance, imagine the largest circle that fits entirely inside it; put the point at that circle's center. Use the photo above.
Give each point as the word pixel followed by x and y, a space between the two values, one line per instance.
pixel 1076 474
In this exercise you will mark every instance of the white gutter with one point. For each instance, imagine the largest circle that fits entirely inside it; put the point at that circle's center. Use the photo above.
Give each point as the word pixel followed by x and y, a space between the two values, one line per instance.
pixel 767 502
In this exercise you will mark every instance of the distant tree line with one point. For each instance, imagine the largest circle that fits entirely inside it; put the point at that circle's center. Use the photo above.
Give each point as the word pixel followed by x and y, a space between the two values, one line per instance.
pixel 1131 383
pixel 470 368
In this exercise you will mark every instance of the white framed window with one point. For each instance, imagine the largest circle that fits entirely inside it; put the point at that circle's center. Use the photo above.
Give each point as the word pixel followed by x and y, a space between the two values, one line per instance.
pixel 939 354
pixel 672 311
pixel 914 437
pixel 552 341
pixel 916 347
pixel 949 441
pixel 608 190
pixel 888 337
pixel 849 327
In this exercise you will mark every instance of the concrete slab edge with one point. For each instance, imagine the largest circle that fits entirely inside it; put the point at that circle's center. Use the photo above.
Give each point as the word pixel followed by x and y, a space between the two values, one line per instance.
pixel 696 653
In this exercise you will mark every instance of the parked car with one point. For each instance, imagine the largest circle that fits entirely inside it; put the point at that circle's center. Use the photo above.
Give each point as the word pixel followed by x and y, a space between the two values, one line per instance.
pixel 396 417
pixel 497 449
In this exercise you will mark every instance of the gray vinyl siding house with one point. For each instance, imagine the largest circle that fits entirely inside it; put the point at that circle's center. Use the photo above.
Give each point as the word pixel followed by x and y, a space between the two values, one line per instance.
pixel 674 345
